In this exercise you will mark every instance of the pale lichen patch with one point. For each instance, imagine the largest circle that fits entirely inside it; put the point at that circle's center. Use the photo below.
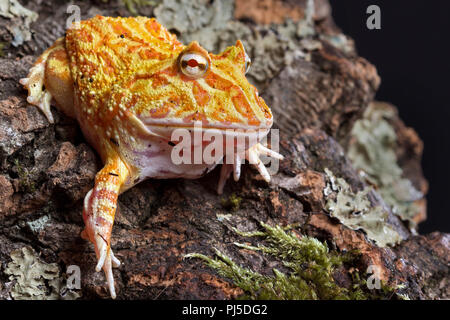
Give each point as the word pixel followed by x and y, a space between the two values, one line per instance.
pixel 21 20
pixel 373 152
pixel 38 224
pixel 35 279
pixel 355 211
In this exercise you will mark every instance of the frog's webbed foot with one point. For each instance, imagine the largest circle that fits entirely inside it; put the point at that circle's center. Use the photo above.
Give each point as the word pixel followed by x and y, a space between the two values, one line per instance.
pixel 37 94
pixel 98 214
pixel 34 82
pixel 252 155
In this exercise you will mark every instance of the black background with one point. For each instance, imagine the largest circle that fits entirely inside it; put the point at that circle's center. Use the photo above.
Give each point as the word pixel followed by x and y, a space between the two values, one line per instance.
pixel 412 56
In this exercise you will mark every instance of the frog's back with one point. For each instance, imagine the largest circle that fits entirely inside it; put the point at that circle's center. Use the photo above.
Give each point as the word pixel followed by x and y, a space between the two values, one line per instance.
pixel 106 52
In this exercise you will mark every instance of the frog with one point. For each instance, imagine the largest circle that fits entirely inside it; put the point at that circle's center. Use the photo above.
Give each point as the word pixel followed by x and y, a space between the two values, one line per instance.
pixel 130 85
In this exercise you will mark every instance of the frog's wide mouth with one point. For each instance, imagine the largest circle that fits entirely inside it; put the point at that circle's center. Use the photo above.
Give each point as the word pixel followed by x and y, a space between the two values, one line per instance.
pixel 168 129
pixel 180 123
pixel 239 139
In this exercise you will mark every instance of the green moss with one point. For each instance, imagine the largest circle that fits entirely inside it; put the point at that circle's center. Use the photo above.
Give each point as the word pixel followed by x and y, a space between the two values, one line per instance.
pixel 132 4
pixel 309 261
pixel 2 46
pixel 232 203
pixel 26 182
pixel 356 212
pixel 373 151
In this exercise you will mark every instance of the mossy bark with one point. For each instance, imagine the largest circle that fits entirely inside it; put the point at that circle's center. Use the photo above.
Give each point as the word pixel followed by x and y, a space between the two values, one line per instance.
pixel 317 86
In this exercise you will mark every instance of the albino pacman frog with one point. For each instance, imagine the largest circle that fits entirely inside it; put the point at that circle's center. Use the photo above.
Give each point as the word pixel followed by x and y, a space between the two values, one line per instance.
pixel 131 84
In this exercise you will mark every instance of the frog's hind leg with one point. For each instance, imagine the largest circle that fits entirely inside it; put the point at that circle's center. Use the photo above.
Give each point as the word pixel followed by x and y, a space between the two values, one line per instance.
pixel 50 77
pixel 98 214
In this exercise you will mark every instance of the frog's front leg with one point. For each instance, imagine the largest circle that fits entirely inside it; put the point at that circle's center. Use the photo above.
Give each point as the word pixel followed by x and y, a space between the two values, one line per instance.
pixel 252 155
pixel 49 78
pixel 98 213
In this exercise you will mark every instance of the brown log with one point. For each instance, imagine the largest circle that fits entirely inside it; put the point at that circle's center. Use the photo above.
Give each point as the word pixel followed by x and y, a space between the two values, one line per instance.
pixel 46 170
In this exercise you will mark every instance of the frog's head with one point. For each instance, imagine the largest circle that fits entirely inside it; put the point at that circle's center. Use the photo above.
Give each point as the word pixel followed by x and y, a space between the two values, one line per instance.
pixel 220 86
pixel 212 88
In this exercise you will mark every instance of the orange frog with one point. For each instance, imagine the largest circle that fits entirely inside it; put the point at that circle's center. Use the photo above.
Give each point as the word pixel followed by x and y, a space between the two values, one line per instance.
pixel 131 84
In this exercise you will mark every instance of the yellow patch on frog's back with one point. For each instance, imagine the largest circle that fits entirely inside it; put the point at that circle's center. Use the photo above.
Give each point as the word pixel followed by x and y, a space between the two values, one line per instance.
pixel 129 66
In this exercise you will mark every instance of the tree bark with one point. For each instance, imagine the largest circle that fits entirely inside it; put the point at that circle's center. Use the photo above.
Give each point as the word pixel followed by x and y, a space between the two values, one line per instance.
pixel 317 94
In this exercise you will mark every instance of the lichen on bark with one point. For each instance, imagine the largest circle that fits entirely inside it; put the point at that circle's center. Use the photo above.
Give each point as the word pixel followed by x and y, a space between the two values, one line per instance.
pixel 34 279
pixel 356 211
pixel 317 86
pixel 373 152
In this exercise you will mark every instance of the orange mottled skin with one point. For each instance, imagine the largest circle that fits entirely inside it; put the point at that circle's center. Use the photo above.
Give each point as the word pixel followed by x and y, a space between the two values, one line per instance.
pixel 121 79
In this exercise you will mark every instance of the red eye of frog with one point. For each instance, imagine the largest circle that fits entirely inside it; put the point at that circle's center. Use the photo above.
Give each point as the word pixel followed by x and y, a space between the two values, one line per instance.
pixel 193 65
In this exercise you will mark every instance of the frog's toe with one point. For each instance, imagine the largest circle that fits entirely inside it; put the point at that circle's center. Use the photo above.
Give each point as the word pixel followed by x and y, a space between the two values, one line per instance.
pixel 237 167
pixel 107 268
pixel 107 261
pixel 115 262
pixel 267 152
pixel 253 156
pixel 225 172
pixel 104 253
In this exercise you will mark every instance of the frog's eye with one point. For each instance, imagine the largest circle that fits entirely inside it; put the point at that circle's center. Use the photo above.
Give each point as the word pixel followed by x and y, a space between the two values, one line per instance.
pixel 193 65
pixel 248 63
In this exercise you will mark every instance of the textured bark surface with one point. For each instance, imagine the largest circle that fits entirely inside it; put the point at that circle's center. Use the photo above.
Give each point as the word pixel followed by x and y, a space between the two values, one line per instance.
pixel 46 170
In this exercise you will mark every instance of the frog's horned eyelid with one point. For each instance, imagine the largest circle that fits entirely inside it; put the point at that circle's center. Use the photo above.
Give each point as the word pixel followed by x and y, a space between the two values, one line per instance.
pixel 247 60
pixel 247 63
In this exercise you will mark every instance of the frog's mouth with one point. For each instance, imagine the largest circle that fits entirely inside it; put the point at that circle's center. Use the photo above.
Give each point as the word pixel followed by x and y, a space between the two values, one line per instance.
pixel 235 140
pixel 183 123
pixel 228 141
